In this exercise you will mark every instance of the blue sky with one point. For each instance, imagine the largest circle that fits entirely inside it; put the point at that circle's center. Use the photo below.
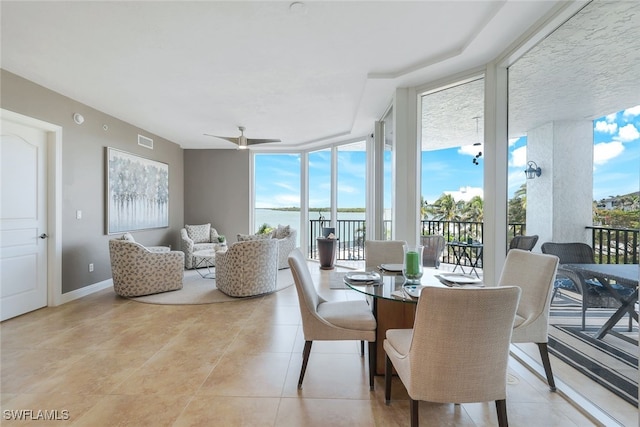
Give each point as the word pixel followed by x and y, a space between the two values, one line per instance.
pixel 616 169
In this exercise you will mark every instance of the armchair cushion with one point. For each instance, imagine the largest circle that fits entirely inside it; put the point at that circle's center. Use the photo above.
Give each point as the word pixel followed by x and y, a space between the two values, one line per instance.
pixel 286 238
pixel 137 271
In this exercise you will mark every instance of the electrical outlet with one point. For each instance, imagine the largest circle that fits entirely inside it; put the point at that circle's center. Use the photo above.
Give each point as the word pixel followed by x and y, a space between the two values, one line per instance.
pixel 91 268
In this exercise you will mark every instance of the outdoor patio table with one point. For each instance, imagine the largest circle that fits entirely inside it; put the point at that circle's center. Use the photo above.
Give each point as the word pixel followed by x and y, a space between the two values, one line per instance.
pixel 472 252
pixel 623 274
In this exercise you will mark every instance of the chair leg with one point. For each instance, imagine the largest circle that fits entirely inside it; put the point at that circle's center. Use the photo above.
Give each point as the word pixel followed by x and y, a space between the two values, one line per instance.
pixel 501 408
pixel 362 348
pixel 413 407
pixel 584 313
pixel 544 355
pixel 387 380
pixel 372 365
pixel 305 359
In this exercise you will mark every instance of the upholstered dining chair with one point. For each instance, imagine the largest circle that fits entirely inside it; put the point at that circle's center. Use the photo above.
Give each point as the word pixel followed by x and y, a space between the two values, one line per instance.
pixel 458 349
pixel 330 320
pixel 433 249
pixel 526 243
pixel 594 294
pixel 534 273
pixel 378 252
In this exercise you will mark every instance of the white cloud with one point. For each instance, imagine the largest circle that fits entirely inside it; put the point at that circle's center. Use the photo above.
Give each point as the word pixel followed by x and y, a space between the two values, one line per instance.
pixel 605 127
pixel 631 112
pixel 611 117
pixel 471 150
pixel 518 157
pixel 605 151
pixel 628 133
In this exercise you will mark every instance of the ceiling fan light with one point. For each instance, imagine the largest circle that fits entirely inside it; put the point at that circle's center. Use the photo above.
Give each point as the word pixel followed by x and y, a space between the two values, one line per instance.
pixel 242 142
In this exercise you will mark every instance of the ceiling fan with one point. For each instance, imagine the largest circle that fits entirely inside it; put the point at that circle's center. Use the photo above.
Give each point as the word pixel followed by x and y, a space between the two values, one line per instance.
pixel 242 141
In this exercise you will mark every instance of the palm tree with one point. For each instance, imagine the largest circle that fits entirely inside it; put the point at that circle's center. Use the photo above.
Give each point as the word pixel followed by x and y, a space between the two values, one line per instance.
pixel 473 210
pixel 445 208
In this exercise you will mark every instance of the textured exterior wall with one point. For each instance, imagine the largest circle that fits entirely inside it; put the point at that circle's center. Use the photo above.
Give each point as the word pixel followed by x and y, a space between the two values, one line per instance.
pixel 559 202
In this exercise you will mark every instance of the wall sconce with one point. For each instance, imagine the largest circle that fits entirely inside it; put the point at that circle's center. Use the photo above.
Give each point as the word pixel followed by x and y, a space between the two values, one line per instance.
pixel 532 170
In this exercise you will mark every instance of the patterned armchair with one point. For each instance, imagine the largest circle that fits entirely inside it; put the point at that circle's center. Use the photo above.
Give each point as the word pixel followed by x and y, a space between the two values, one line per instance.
pixel 286 237
pixel 248 268
pixel 197 238
pixel 137 271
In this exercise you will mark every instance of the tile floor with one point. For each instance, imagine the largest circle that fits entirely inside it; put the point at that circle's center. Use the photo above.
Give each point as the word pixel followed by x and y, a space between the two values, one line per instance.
pixel 104 361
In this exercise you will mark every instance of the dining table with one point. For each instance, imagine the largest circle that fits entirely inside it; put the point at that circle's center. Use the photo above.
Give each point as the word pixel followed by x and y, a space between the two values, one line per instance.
pixel 394 300
pixel 626 275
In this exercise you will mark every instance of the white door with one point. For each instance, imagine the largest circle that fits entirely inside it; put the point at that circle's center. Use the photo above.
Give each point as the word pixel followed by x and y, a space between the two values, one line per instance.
pixel 23 222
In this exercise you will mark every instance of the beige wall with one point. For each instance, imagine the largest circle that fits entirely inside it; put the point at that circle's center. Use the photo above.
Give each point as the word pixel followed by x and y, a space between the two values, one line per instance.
pixel 217 186
pixel 83 176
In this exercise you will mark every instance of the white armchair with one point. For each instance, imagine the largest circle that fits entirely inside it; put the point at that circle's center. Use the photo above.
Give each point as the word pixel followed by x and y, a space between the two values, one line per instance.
pixel 197 238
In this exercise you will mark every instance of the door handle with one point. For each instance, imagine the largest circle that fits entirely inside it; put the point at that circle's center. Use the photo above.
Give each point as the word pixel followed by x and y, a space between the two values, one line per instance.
pixel 43 236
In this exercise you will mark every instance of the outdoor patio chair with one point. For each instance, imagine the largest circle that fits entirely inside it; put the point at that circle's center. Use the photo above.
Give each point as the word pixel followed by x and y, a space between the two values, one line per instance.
pixel 526 243
pixel 594 294
pixel 458 349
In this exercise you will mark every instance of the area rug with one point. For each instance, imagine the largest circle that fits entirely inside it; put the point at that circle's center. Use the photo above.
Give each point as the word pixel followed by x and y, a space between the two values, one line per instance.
pixel 611 362
pixel 197 290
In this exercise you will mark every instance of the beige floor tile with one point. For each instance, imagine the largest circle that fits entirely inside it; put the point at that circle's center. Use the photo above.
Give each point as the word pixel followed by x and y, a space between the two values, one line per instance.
pixel 170 372
pixel 325 412
pixel 251 375
pixel 139 411
pixel 229 411
pixel 264 338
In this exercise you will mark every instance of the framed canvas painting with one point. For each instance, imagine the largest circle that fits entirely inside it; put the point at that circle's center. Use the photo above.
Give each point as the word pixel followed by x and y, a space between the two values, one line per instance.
pixel 137 192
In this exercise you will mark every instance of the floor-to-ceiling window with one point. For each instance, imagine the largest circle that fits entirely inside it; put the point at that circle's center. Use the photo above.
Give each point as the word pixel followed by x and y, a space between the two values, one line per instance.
pixel 319 192
pixel 452 135
pixel 351 199
pixel 276 191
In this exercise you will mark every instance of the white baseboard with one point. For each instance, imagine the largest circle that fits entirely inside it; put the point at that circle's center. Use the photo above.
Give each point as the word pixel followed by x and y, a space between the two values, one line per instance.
pixel 83 292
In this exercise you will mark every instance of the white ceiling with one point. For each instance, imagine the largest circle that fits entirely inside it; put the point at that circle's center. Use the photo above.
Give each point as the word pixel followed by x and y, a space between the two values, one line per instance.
pixel 315 74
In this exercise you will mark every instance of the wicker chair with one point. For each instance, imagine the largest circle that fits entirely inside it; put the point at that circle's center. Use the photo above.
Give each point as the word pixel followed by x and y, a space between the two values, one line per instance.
pixel 594 293
pixel 526 243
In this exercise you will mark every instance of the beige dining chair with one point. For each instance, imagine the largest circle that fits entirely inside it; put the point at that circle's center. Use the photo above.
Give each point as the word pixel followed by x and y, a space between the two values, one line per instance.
pixel 534 273
pixel 378 252
pixel 458 349
pixel 324 320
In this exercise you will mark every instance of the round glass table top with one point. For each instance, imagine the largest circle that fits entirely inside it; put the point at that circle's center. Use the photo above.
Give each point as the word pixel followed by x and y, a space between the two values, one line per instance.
pixel 394 286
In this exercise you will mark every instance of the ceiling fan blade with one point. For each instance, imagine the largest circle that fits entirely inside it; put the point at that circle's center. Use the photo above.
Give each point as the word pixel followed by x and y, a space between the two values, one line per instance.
pixel 226 138
pixel 253 141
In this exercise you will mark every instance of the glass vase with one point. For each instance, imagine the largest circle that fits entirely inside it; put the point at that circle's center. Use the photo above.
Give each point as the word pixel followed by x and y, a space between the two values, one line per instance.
pixel 412 265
